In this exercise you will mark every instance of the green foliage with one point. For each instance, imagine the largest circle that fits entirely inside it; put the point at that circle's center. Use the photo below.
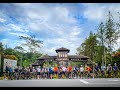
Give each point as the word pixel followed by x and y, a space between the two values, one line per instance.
pixel 99 46
pixel 1 48
pixel 13 57
pixel 88 47
pixel 26 63
pixel 31 43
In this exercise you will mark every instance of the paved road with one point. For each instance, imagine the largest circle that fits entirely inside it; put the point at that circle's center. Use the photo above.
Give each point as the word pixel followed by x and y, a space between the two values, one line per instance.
pixel 114 82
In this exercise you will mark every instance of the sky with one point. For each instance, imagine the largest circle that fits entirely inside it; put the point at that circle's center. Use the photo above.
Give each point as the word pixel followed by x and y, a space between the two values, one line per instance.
pixel 56 24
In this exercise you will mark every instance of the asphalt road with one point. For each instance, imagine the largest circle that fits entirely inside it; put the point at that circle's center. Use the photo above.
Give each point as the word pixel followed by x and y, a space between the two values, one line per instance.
pixel 109 82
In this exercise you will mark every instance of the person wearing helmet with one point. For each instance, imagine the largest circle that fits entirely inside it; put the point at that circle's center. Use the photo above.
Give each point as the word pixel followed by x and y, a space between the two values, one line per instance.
pixel 103 69
pixel 81 71
pixel 97 70
pixel 34 73
pixel 38 72
pixel 109 70
pixel 56 71
pixel 115 69
pixel 50 72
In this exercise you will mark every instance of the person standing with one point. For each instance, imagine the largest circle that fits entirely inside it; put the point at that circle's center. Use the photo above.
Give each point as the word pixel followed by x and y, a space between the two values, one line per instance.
pixel 97 70
pixel 81 71
pixel 103 69
pixel 109 70
pixel 115 69
pixel 38 72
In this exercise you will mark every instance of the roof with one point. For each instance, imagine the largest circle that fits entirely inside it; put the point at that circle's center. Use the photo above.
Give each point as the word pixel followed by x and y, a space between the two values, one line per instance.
pixel 41 59
pixel 69 56
pixel 77 56
pixel 62 49
pixel 47 57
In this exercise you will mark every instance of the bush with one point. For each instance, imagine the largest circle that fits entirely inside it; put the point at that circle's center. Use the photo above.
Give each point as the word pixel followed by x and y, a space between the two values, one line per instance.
pixel 13 57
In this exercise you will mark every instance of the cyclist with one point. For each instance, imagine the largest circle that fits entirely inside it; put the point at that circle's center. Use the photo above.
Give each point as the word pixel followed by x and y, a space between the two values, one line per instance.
pixel 81 71
pixel 115 69
pixel 103 68
pixel 109 70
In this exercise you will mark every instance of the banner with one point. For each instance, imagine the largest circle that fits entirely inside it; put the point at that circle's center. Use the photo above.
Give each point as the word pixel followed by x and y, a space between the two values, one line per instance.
pixel 12 63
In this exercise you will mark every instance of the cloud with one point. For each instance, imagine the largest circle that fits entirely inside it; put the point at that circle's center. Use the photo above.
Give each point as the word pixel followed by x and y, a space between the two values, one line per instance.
pixel 69 40
pixel 53 23
pixel 19 34
pixel 58 25
pixel 2 20
pixel 99 12
pixel 16 28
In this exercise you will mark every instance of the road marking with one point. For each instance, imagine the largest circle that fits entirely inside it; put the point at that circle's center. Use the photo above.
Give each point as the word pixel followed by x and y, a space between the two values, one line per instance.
pixel 85 82
pixel 103 83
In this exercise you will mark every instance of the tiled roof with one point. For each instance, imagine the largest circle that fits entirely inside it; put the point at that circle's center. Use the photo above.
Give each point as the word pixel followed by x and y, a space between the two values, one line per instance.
pixel 62 49
pixel 69 56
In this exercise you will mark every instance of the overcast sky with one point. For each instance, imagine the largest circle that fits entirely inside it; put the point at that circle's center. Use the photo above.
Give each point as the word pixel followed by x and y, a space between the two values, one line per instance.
pixel 56 24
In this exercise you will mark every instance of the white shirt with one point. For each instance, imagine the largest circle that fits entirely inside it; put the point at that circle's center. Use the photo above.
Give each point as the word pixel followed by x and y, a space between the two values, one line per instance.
pixel 64 69
pixel 38 69
pixel 81 69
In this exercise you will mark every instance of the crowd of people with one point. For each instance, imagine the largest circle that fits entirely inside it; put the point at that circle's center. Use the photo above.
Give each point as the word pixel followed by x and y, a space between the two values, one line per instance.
pixel 69 72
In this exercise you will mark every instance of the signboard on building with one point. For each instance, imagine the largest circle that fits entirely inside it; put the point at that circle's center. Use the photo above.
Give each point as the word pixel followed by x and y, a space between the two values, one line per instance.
pixel 12 63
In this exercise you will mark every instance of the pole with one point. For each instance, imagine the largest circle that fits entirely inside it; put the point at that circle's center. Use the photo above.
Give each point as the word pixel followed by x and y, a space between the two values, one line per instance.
pixel 21 62
pixel 105 56
pixel 93 71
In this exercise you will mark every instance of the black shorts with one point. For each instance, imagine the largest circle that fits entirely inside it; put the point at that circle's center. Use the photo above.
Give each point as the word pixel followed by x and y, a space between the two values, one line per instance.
pixel 50 72
pixel 60 73
pixel 109 72
pixel 69 72
pixel 38 73
pixel 55 72
pixel 75 72
pixel 63 72
pixel 81 73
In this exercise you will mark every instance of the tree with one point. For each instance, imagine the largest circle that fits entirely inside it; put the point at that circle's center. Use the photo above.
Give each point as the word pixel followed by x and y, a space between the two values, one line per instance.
pixel 111 33
pixel 81 49
pixel 88 47
pixel 101 39
pixel 20 54
pixel 13 57
pixel 33 46
pixel 1 48
pixel 19 49
pixel 1 58
pixel 31 43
